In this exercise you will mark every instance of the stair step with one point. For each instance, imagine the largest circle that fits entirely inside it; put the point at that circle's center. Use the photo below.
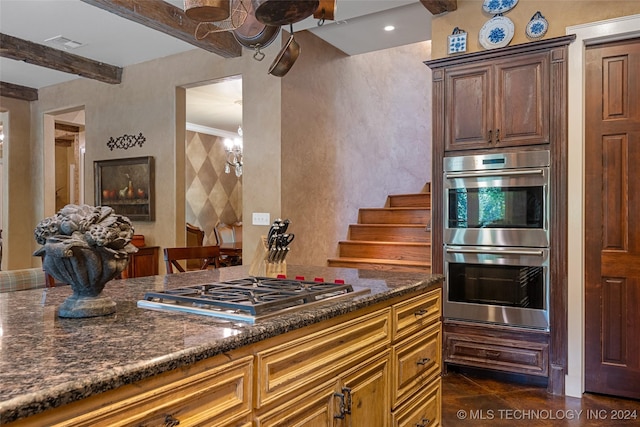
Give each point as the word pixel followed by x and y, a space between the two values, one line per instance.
pixel 399 251
pixel 390 232
pixel 394 216
pixel 379 264
pixel 418 200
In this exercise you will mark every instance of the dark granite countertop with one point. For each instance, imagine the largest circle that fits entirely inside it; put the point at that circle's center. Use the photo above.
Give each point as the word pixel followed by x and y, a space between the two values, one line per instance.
pixel 47 361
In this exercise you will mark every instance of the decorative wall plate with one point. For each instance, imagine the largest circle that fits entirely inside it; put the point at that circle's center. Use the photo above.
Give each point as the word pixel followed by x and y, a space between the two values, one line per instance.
pixel 537 26
pixel 496 32
pixel 457 41
pixel 498 6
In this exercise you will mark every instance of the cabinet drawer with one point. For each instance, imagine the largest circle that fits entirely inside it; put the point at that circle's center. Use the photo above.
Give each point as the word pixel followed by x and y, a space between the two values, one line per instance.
pixel 415 361
pixel 501 354
pixel 193 397
pixel 415 314
pixel 298 364
pixel 423 410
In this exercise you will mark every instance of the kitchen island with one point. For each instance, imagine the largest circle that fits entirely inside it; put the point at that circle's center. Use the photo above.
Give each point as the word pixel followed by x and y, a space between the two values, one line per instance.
pixel 53 369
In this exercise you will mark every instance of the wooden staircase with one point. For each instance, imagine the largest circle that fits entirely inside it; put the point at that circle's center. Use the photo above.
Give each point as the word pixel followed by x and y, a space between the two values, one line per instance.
pixel 393 238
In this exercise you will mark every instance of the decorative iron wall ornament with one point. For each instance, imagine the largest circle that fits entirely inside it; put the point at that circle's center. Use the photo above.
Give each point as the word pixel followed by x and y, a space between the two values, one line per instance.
pixel 126 141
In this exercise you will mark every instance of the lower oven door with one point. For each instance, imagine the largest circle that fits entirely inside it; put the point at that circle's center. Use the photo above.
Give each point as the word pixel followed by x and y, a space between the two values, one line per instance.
pixel 502 285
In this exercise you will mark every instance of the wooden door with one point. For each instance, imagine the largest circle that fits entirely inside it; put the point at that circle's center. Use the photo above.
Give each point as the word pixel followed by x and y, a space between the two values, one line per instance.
pixel 612 219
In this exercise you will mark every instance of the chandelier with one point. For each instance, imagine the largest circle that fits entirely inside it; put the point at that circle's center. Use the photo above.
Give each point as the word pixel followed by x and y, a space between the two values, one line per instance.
pixel 233 153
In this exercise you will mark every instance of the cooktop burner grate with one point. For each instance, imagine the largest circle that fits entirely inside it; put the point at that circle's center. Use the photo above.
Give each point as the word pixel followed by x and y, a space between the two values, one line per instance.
pixel 250 297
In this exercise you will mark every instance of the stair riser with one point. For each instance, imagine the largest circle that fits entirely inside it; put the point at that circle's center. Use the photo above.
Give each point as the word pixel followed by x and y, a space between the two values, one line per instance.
pixel 392 216
pixel 379 267
pixel 396 252
pixel 421 200
pixel 389 234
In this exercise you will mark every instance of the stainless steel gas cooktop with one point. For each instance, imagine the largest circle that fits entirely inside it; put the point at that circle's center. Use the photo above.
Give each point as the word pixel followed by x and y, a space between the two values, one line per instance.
pixel 249 299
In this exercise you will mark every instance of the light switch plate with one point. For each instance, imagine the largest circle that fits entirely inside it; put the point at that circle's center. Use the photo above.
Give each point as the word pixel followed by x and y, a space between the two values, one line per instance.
pixel 261 218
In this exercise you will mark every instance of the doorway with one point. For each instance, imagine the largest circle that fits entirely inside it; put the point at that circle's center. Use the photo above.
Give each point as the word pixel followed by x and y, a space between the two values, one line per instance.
pixel 213 183
pixel 612 237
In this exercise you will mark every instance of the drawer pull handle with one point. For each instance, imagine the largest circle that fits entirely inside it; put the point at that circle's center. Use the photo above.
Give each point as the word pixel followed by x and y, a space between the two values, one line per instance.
pixel 424 423
pixel 490 137
pixel 421 312
pixel 423 361
pixel 498 136
pixel 169 421
pixel 492 354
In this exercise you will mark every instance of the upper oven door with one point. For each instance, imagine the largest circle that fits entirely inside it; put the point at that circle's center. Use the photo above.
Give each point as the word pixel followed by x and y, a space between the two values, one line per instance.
pixel 496 206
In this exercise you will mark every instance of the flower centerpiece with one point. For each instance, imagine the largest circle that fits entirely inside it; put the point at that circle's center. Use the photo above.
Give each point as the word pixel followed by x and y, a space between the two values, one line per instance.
pixel 85 246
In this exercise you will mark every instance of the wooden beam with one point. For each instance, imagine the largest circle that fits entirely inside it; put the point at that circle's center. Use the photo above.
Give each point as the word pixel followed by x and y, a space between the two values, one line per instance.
pixel 18 92
pixel 56 59
pixel 171 20
pixel 437 7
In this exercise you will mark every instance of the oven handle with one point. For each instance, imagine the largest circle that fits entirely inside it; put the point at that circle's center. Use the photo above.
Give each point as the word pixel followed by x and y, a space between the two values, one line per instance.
pixel 494 251
pixel 497 173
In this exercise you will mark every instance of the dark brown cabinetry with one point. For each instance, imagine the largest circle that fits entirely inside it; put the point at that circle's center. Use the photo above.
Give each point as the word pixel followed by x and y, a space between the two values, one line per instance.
pixel 143 263
pixel 499 103
pixel 506 100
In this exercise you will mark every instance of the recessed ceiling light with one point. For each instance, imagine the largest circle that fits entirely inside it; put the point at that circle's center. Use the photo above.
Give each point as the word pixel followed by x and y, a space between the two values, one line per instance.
pixel 64 42
pixel 389 28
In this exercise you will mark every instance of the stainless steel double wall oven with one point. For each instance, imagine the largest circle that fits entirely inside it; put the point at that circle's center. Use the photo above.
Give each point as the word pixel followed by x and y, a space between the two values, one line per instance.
pixel 496 238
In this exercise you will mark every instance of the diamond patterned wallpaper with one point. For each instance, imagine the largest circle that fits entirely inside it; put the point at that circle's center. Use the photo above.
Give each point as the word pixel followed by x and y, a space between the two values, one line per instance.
pixel 211 195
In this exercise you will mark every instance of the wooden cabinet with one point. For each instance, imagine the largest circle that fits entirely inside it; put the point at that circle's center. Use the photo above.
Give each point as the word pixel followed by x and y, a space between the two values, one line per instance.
pixel 496 347
pixel 212 392
pixel 498 103
pixel 508 100
pixel 143 263
pixel 416 361
pixel 379 366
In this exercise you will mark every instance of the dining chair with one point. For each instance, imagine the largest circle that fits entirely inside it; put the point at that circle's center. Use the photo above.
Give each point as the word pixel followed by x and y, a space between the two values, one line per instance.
pixel 195 235
pixel 206 255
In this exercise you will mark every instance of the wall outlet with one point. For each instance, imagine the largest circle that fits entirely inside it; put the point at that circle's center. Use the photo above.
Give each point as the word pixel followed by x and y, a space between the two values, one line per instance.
pixel 261 218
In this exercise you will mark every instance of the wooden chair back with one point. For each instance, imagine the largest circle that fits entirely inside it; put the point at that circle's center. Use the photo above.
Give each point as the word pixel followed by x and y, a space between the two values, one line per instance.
pixel 195 235
pixel 224 234
pixel 206 255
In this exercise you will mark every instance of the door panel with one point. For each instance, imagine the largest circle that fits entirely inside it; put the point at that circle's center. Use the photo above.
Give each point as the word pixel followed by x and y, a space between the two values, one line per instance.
pixel 612 222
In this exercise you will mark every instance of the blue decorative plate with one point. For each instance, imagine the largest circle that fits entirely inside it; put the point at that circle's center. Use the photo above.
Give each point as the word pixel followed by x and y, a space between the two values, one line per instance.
pixel 495 7
pixel 496 32
pixel 537 26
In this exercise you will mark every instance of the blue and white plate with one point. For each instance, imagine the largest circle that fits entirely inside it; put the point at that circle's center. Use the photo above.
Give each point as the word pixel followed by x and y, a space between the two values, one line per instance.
pixel 495 7
pixel 496 32
pixel 537 26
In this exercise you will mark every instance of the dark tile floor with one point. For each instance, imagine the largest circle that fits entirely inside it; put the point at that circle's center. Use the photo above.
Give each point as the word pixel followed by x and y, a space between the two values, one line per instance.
pixel 471 399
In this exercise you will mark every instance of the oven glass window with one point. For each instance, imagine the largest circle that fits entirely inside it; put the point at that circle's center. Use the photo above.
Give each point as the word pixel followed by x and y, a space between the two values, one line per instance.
pixel 504 285
pixel 496 207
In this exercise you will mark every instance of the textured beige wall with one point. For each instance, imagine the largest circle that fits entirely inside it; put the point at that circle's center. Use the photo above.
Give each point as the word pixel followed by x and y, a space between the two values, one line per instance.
pixel 559 13
pixel 18 165
pixel 147 101
pixel 354 130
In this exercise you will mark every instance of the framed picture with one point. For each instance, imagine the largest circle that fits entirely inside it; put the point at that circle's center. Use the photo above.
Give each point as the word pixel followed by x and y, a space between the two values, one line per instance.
pixel 127 185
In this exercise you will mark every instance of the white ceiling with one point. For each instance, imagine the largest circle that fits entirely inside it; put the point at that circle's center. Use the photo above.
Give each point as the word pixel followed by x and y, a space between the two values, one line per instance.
pixel 105 37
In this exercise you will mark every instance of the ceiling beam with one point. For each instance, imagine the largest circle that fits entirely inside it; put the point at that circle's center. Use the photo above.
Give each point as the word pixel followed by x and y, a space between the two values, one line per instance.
pixel 56 59
pixel 171 20
pixel 18 92
pixel 437 7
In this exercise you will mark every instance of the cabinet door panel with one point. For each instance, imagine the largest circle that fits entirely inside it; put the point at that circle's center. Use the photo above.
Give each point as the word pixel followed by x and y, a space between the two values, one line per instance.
pixel 313 409
pixel 469 108
pixel 522 101
pixel 423 409
pixel 367 391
